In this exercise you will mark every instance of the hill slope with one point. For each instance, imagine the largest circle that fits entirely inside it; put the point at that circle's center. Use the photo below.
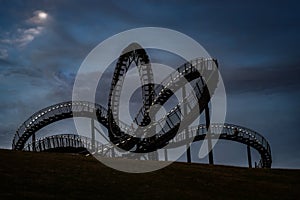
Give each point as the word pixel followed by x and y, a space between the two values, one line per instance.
pixel 66 176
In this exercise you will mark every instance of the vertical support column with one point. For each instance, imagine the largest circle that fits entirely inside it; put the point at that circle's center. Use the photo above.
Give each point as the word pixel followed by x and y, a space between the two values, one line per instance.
pixel 113 152
pixel 188 153
pixel 249 156
pixel 209 144
pixel 93 134
pixel 188 149
pixel 154 154
pixel 166 154
pixel 33 142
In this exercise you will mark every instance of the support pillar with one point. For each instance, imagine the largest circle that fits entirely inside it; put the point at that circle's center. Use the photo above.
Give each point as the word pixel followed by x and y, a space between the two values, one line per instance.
pixel 249 156
pixel 113 152
pixel 33 142
pixel 188 154
pixel 166 154
pixel 209 143
pixel 93 134
pixel 188 149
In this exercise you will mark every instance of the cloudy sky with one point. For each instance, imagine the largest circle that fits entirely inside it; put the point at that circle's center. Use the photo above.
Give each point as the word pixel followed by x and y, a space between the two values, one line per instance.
pixel 43 43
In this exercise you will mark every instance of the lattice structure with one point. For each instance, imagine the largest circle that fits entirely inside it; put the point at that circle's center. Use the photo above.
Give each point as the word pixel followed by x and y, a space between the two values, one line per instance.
pixel 173 129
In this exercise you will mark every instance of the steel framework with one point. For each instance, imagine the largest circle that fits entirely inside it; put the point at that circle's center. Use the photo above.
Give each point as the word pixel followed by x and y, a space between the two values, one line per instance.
pixel 173 129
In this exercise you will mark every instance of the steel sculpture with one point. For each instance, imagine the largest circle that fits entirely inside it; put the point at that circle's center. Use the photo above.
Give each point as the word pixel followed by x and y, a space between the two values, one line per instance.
pixel 174 128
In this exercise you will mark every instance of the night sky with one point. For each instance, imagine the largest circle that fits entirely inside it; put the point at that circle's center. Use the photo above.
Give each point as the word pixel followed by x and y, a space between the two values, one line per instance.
pixel 43 43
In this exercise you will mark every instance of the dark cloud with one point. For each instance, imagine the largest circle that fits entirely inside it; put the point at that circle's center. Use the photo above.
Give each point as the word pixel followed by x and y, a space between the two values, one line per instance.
pixel 267 78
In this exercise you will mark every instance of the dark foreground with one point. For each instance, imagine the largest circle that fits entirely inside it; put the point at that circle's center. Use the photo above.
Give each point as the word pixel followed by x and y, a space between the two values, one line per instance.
pixel 26 175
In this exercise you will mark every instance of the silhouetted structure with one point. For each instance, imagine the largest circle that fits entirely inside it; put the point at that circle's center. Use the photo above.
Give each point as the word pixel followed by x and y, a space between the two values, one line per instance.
pixel 173 129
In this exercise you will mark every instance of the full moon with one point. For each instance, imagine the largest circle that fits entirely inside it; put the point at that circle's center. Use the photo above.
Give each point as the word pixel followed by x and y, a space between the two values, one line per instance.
pixel 42 15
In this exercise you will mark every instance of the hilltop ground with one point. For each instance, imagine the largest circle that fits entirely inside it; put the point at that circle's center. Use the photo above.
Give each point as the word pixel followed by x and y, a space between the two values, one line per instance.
pixel 25 175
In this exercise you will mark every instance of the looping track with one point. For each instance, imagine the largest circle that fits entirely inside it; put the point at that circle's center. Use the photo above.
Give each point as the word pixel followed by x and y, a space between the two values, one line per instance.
pixel 203 76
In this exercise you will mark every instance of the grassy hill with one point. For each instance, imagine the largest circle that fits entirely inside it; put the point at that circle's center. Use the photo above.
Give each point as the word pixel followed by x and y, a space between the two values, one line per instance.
pixel 25 175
